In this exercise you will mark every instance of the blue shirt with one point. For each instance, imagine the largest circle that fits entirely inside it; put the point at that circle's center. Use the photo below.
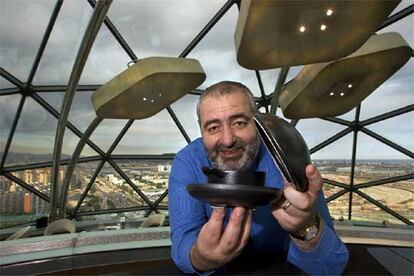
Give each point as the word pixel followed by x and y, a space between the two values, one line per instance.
pixel 187 215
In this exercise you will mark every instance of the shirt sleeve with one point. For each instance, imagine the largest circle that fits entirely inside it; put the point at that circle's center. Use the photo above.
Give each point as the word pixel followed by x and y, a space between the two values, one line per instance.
pixel 329 257
pixel 186 214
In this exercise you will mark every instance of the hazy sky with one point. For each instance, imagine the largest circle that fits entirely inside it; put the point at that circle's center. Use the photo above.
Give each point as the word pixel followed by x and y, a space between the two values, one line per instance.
pixel 162 28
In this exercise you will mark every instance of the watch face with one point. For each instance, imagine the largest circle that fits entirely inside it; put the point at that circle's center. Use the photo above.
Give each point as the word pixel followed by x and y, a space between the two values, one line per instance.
pixel 311 232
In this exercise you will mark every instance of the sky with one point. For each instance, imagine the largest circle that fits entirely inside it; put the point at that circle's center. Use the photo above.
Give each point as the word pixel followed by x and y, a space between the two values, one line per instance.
pixel 163 28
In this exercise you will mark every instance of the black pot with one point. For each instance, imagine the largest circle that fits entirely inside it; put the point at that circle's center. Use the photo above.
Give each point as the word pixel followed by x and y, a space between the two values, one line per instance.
pixel 234 177
pixel 286 146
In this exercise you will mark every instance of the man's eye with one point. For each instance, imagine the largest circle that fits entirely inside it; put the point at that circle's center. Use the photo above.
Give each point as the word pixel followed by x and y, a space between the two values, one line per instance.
pixel 213 129
pixel 240 124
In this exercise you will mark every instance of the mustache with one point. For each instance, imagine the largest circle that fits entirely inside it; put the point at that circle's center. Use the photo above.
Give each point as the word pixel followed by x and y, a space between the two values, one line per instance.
pixel 235 146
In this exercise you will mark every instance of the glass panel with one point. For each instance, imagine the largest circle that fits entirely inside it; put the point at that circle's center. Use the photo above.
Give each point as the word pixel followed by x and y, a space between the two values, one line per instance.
pixel 155 135
pixel 398 196
pixel 38 178
pixel 159 27
pixel 365 211
pixel 340 149
pixel 293 72
pixel 397 91
pixel 110 191
pixel 185 110
pixel 375 169
pixel 113 221
pixel 106 59
pixel 338 208
pixel 398 129
pixel 35 136
pixel 5 83
pixel 107 131
pixel 80 179
pixel 330 190
pixel 334 160
pixel 217 55
pixel 8 107
pixel 151 176
pixel 314 131
pixel 81 111
pixel 349 116
pixel 403 4
pixel 63 44
pixel 370 148
pixel 19 206
pixel 22 25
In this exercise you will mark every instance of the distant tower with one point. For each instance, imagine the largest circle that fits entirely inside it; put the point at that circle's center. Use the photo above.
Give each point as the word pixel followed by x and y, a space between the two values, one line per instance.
pixel 27 203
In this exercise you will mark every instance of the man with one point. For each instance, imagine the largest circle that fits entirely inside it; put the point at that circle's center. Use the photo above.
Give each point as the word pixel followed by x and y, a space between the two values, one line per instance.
pixel 205 239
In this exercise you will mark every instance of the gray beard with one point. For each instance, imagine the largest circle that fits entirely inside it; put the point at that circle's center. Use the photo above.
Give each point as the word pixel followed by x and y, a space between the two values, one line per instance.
pixel 242 163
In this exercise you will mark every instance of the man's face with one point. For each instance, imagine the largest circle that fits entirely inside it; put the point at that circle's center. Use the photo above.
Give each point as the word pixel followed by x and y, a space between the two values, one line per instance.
pixel 229 134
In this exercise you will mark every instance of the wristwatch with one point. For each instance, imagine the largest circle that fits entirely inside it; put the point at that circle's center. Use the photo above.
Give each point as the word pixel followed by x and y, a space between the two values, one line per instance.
pixel 309 232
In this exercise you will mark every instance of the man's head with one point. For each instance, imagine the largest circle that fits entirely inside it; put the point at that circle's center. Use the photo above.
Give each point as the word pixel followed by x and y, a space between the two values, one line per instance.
pixel 225 114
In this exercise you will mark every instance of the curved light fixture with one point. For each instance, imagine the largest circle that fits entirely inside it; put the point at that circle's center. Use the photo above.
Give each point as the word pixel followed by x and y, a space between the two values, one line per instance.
pixel 334 88
pixel 280 33
pixel 147 87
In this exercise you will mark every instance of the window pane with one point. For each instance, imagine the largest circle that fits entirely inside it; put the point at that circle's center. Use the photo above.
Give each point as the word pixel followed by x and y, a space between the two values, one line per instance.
pixel 160 27
pixel 8 107
pixel 365 211
pixel 338 208
pixel 314 131
pixel 216 53
pixel 81 112
pixel 398 196
pixel 110 191
pixel 18 206
pixel 5 83
pixel 34 138
pixel 63 44
pixel 155 135
pixel 185 110
pixel 22 25
pixel 399 130
pixel 80 179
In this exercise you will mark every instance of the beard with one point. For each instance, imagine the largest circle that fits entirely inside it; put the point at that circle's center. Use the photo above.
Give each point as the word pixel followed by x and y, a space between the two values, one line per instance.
pixel 241 154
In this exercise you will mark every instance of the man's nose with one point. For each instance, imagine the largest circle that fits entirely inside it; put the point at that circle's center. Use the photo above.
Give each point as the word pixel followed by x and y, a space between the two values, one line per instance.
pixel 228 136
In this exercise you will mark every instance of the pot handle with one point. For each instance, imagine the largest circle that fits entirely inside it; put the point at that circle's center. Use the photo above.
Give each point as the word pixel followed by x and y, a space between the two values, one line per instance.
pixel 213 171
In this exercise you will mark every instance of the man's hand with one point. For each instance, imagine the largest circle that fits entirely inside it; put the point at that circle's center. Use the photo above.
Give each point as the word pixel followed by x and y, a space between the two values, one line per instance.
pixel 301 207
pixel 214 247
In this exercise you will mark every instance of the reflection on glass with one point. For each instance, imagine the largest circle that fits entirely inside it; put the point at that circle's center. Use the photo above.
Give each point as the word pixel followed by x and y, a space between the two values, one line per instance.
pixel 19 206
pixel 22 25
pixel 8 107
pixel 363 210
pixel 398 196
pixel 155 135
